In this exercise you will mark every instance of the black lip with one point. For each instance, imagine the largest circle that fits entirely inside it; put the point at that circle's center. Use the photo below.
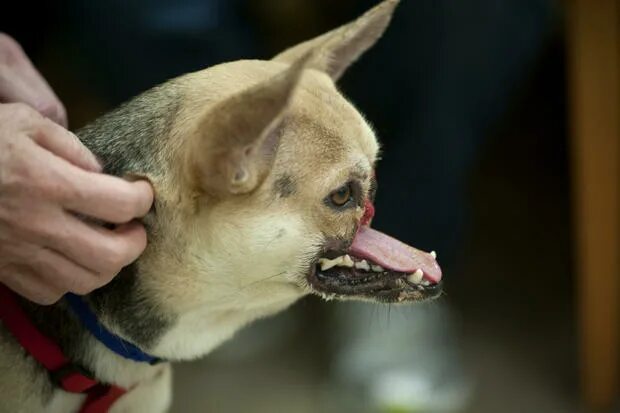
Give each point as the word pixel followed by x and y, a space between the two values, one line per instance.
pixel 388 286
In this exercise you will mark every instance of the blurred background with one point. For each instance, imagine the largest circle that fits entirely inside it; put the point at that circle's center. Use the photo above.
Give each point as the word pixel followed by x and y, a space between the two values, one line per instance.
pixel 471 102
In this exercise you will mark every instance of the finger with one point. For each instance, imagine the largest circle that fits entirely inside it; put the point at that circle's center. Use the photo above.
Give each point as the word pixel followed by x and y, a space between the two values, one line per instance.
pixel 133 234
pixel 105 197
pixel 54 268
pixel 21 82
pixel 46 101
pixel 64 274
pixel 65 145
pixel 15 89
pixel 93 247
pixel 54 110
pixel 29 285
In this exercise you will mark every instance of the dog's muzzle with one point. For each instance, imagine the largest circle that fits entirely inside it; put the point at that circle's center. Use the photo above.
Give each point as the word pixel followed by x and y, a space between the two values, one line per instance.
pixel 377 266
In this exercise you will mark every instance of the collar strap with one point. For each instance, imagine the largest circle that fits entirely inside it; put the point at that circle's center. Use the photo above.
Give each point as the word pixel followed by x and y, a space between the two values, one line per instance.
pixel 64 374
pixel 113 342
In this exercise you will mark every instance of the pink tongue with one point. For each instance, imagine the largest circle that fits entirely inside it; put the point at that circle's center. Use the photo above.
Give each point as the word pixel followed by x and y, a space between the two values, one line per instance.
pixel 392 254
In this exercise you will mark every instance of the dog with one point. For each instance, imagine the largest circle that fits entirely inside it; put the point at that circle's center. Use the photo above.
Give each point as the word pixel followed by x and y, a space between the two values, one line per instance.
pixel 263 180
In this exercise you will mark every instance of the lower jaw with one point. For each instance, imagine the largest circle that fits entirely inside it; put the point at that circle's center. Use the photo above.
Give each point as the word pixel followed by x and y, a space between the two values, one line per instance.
pixel 386 288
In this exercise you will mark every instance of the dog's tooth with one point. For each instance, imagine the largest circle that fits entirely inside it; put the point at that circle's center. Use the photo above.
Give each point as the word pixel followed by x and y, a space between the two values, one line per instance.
pixel 426 283
pixel 376 268
pixel 433 254
pixel 326 264
pixel 346 261
pixel 343 261
pixel 415 277
pixel 362 265
pixel 338 260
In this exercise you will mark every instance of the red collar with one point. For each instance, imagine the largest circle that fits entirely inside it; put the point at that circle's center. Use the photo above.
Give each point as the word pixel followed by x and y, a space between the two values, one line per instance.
pixel 65 374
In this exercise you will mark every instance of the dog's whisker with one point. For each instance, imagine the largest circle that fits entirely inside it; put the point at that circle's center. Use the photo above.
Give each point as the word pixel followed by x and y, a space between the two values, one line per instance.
pixel 238 292
pixel 262 280
pixel 374 315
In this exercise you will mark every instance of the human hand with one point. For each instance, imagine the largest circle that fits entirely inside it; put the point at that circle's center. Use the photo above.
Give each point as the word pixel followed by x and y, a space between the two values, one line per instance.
pixel 20 82
pixel 47 176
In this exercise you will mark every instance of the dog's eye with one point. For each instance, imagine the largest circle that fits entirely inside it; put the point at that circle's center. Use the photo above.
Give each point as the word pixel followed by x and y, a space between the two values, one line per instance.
pixel 341 196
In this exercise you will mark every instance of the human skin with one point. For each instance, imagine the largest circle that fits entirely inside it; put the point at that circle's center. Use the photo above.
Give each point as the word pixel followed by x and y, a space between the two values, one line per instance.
pixel 48 181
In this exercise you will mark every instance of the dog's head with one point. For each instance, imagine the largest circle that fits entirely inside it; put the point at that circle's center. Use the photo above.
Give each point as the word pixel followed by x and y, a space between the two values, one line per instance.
pixel 268 189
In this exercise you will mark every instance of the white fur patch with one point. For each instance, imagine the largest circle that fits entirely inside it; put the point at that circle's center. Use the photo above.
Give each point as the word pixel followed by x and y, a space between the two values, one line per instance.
pixel 246 268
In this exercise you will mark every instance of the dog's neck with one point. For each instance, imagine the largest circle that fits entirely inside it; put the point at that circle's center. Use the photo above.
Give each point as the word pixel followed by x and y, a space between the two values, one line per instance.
pixel 126 310
pixel 87 318
pixel 129 312
pixel 59 323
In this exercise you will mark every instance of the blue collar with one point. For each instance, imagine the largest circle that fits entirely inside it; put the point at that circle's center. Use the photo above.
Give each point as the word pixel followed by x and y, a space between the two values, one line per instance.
pixel 113 342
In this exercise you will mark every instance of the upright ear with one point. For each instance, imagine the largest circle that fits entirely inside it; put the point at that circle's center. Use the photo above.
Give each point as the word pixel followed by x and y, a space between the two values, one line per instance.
pixel 336 50
pixel 237 139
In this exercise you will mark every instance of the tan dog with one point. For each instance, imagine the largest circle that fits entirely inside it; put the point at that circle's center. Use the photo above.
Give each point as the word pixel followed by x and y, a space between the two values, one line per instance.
pixel 263 174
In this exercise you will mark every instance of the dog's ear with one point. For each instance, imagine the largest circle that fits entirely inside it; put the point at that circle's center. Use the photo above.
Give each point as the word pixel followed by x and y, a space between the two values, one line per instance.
pixel 336 50
pixel 237 139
